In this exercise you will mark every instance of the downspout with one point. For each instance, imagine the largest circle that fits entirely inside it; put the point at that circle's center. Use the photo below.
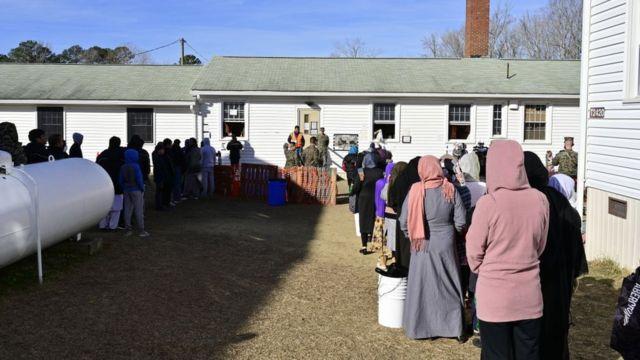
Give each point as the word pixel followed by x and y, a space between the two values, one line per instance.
pixel 584 103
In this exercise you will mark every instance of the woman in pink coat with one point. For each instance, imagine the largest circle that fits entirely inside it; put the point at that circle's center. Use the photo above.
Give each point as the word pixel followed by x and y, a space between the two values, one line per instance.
pixel 507 236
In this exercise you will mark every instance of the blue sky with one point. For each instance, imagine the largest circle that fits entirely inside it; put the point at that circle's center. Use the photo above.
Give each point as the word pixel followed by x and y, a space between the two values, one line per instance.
pixel 234 27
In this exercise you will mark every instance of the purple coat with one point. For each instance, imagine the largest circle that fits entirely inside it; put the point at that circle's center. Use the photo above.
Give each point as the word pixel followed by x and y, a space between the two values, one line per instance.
pixel 381 205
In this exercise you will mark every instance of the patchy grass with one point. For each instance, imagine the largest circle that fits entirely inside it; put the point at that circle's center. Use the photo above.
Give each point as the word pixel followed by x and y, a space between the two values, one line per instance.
pixel 234 279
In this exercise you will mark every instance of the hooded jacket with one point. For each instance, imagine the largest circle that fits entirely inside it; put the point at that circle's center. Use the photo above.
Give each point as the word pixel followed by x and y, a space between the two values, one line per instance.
pixel 76 150
pixel 111 161
pixel 506 238
pixel 130 174
pixel 208 154
pixel 9 143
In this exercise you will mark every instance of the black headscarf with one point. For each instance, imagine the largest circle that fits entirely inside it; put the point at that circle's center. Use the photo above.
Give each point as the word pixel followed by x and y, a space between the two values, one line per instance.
pixel 562 261
pixel 401 186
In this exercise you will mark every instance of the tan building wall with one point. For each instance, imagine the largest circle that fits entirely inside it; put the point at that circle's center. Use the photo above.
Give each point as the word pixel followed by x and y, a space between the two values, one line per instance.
pixel 610 236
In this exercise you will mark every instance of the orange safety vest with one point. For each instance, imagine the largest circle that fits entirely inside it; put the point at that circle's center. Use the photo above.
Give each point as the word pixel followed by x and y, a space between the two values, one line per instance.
pixel 298 139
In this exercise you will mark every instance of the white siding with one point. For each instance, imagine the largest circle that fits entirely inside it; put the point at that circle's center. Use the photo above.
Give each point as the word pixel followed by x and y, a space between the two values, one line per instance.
pixel 97 124
pixel 174 123
pixel 270 120
pixel 24 117
pixel 613 144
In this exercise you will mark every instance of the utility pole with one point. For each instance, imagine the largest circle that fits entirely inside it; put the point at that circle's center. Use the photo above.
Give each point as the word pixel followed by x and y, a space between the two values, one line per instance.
pixel 182 41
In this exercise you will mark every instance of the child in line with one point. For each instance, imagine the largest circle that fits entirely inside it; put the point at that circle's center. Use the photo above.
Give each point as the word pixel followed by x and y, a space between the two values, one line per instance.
pixel 133 188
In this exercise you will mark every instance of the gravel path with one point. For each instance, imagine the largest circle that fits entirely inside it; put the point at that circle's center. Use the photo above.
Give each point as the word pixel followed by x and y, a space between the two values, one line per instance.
pixel 221 279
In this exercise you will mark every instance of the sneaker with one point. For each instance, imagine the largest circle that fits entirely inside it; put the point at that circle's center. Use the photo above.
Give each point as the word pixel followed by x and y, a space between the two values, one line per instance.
pixel 144 234
pixel 477 343
pixel 120 227
pixel 128 233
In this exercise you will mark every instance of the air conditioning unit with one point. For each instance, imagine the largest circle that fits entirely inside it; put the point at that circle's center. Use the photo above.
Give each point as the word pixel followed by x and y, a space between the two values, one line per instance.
pixel 514 106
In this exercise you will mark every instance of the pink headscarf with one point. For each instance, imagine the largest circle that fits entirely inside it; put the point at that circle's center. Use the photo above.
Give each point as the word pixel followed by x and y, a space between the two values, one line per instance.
pixel 431 177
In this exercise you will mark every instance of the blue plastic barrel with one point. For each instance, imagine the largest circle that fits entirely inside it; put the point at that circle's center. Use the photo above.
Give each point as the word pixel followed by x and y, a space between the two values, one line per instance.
pixel 277 195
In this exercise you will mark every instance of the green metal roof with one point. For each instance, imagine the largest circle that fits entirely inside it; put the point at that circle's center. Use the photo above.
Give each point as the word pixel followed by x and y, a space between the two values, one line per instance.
pixel 97 82
pixel 379 75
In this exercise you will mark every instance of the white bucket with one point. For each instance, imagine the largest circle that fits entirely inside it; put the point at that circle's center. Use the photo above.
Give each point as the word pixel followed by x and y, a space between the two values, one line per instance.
pixel 357 218
pixel 392 293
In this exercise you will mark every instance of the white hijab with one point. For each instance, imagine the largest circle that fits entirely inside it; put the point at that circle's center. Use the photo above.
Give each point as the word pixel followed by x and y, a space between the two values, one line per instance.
pixel 565 185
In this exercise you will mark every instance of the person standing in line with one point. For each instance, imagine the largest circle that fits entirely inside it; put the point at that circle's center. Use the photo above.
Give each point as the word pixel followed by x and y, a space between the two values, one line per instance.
pixel 311 155
pixel 349 165
pixel 431 215
pixel 208 162
pixel 365 190
pixel 179 166
pixel 9 143
pixel 561 263
pixel 297 140
pixel 234 147
pixel 132 184
pixel 136 143
pixel 566 160
pixel 508 234
pixel 323 147
pixel 162 177
pixel 379 237
pixel 194 166
pixel 291 159
pixel 36 149
pixel 111 160
pixel 76 148
pixel 56 147
pixel 398 192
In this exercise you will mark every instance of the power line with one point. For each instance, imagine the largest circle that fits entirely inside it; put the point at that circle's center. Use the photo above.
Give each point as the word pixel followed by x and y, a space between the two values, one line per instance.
pixel 158 48
pixel 196 51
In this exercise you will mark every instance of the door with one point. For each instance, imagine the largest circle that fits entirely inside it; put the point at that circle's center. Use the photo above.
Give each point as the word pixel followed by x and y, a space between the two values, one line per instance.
pixel 309 122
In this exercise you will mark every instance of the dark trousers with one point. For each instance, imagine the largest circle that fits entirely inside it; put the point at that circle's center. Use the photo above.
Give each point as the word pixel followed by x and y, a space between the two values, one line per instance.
pixel 517 340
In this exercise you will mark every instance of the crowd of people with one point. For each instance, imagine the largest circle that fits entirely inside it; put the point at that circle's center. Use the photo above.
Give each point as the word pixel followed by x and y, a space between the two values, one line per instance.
pixel 508 251
pixel 179 172
pixel 316 154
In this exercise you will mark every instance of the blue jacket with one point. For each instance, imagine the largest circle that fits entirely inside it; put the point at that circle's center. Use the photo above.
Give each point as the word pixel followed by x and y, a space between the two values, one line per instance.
pixel 130 174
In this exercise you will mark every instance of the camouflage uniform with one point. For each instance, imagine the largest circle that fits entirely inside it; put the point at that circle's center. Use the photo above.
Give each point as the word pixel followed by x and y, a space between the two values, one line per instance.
pixel 323 147
pixel 567 162
pixel 311 156
pixel 291 157
pixel 9 143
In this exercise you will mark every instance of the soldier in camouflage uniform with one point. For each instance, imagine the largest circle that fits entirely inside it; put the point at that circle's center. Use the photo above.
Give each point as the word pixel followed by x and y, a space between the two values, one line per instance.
pixel 566 160
pixel 9 143
pixel 323 147
pixel 311 155
pixel 290 156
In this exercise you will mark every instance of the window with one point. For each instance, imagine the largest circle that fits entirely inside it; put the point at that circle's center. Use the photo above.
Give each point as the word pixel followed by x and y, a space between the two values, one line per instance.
pixel 384 119
pixel 632 88
pixel 51 120
pixel 233 119
pixel 497 120
pixel 140 122
pixel 535 122
pixel 459 122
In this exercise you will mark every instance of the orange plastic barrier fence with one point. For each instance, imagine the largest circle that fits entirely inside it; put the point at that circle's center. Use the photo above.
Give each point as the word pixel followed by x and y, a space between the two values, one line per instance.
pixel 309 185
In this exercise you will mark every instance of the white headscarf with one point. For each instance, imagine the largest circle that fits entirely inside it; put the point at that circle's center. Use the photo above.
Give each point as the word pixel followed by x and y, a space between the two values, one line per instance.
pixel 565 185
pixel 470 166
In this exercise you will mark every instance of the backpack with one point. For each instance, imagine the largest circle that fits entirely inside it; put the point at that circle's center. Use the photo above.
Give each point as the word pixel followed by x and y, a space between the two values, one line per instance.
pixel 625 336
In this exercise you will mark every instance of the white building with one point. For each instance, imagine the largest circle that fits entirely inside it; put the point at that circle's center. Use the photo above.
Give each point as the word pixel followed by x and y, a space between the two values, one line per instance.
pixel 99 101
pixel 422 106
pixel 610 91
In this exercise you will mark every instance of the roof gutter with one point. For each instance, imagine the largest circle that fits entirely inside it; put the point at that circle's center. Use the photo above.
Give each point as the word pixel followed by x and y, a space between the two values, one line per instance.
pixel 97 102
pixel 382 94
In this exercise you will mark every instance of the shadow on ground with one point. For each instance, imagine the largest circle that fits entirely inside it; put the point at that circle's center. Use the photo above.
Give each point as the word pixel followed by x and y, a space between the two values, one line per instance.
pixel 183 293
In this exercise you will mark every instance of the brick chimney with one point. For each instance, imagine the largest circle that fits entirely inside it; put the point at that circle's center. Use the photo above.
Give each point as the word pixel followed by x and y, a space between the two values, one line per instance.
pixel 476 42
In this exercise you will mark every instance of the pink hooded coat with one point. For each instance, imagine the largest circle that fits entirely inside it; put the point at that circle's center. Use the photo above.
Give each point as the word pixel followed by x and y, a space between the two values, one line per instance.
pixel 507 236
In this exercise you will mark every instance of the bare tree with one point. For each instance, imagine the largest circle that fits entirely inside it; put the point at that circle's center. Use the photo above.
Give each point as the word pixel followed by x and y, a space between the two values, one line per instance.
pixel 353 48
pixel 552 32
pixel 139 59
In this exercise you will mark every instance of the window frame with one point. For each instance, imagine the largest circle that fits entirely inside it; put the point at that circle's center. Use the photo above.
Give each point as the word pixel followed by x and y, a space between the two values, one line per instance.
pixel 548 123
pixel 632 54
pixel 153 123
pixel 472 121
pixel 504 120
pixel 64 119
pixel 396 121
pixel 245 104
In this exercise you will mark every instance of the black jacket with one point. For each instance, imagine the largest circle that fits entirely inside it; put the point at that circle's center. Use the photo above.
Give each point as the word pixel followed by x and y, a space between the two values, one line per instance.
pixel 36 153
pixel 75 151
pixel 111 161
pixel 58 153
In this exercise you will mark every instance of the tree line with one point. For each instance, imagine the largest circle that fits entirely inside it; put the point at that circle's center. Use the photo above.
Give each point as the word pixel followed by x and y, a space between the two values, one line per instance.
pixel 32 51
pixel 553 32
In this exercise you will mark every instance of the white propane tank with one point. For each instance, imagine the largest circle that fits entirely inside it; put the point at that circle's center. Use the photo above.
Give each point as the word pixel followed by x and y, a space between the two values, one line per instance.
pixel 72 195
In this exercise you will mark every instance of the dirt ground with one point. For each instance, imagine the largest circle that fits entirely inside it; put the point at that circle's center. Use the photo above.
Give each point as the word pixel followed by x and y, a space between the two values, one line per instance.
pixel 237 280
